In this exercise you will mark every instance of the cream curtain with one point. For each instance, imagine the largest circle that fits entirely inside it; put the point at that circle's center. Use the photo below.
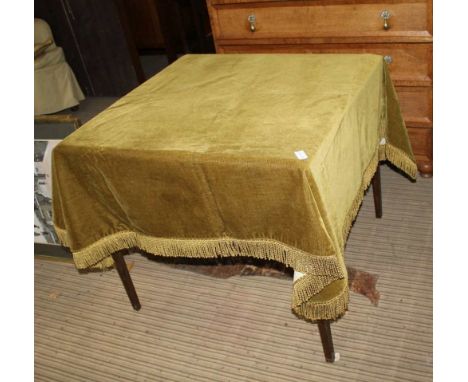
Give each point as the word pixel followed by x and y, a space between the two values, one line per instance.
pixel 55 85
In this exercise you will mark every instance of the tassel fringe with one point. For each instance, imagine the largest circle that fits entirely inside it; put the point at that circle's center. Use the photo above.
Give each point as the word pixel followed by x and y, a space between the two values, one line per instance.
pixel 401 160
pixel 267 249
pixel 309 285
pixel 329 310
pixel 320 270
pixel 356 205
pixel 62 236
pixel 385 152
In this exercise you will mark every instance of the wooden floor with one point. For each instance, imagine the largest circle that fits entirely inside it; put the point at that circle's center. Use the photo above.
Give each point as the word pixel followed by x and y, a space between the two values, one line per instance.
pixel 194 327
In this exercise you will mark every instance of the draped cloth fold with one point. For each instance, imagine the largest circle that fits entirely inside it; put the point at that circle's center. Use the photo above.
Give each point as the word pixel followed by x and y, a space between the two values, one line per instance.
pixel 262 155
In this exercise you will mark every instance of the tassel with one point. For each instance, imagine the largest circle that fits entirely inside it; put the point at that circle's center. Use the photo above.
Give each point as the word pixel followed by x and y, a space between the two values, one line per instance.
pixel 319 271
pixel 329 310
pixel 401 160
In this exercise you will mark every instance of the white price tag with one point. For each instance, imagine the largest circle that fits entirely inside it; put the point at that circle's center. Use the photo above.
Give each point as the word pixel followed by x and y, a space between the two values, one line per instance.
pixel 301 154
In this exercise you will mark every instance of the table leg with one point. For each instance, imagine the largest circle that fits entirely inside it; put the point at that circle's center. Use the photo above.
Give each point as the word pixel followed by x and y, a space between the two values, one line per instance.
pixel 377 193
pixel 122 269
pixel 327 340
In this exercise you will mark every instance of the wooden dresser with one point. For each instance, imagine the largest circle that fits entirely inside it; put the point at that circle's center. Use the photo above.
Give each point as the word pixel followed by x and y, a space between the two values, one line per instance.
pixel 399 30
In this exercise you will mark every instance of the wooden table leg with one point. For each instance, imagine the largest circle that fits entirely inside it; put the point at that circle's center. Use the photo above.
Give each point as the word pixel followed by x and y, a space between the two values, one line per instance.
pixel 377 193
pixel 327 340
pixel 122 269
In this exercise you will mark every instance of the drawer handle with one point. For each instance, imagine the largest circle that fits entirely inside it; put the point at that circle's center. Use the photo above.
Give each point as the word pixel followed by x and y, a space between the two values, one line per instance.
pixel 388 59
pixel 386 15
pixel 252 19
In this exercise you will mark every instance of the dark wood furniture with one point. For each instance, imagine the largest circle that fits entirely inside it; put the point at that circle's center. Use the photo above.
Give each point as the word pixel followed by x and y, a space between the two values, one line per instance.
pixel 143 20
pixel 399 30
pixel 327 340
pixel 377 193
pixel 185 27
pixel 97 44
pixel 127 282
pixel 172 27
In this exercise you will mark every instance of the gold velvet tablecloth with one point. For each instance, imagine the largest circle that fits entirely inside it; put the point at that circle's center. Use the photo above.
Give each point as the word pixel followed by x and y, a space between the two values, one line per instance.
pixel 257 155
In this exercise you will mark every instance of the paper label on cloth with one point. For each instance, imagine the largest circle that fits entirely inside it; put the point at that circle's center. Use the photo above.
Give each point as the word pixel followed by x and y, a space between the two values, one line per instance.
pixel 297 275
pixel 383 141
pixel 300 155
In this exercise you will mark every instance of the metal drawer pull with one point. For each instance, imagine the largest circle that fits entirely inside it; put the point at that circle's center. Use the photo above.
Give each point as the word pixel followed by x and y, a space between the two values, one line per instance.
pixel 252 20
pixel 388 59
pixel 386 15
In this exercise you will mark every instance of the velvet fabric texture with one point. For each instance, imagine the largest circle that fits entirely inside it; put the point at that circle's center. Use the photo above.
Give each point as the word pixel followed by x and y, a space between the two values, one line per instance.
pixel 264 155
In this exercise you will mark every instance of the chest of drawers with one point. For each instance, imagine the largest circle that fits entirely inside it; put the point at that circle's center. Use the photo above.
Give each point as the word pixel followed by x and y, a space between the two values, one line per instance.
pixel 399 30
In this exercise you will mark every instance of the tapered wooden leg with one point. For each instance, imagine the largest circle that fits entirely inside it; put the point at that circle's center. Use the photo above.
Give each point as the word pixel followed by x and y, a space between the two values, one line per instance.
pixel 377 193
pixel 122 269
pixel 327 340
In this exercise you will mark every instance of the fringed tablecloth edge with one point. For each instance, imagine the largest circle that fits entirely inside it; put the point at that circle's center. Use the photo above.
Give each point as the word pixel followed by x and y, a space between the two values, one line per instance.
pixel 329 310
pixel 320 270
pixel 385 152
pixel 356 204
pixel 399 158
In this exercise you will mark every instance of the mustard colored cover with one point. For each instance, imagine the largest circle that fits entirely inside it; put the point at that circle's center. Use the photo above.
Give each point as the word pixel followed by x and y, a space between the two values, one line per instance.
pixel 263 155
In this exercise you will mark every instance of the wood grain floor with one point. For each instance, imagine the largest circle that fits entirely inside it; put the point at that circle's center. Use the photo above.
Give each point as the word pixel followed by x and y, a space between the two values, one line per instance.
pixel 194 327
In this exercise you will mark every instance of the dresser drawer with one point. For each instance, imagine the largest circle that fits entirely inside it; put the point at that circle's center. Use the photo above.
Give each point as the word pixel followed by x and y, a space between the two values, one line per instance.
pixel 421 141
pixel 410 63
pixel 317 18
pixel 416 105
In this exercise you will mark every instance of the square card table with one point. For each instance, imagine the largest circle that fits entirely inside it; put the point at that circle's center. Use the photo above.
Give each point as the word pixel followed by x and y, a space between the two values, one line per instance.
pixel 261 155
